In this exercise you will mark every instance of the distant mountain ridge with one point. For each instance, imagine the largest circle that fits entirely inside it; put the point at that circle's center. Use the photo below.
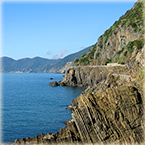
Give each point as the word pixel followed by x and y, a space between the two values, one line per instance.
pixel 26 65
pixel 37 64
pixel 67 59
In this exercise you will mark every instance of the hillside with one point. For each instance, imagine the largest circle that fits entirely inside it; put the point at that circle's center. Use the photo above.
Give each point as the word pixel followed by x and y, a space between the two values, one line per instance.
pixel 25 65
pixel 66 59
pixel 121 43
pixel 37 64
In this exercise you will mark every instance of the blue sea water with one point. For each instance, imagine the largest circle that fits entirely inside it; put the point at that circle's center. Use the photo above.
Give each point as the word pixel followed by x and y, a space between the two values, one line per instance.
pixel 31 107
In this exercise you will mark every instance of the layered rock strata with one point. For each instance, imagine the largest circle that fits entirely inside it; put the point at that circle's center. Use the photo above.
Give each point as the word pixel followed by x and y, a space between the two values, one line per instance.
pixel 110 117
pixel 110 112
pixel 90 76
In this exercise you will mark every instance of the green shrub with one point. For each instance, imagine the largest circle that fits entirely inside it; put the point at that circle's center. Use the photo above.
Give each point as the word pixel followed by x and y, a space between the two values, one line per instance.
pixel 140 75
pixel 130 46
pixel 139 44
pixel 125 53
pixel 91 52
pixel 123 62
pixel 77 60
pixel 123 23
pixel 81 56
pixel 90 92
pixel 108 61
pixel 84 61
pixel 97 55
pixel 120 51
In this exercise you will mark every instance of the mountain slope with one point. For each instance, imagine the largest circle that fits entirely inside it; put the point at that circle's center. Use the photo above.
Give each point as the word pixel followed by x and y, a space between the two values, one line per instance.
pixel 9 62
pixel 120 43
pixel 37 64
pixel 68 58
pixel 25 65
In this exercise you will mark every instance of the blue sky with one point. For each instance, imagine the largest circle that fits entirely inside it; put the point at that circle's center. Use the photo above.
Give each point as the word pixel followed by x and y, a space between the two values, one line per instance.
pixel 55 29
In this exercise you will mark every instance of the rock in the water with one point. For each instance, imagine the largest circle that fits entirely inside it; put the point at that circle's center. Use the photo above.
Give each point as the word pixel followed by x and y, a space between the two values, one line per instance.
pixel 54 84
pixel 60 83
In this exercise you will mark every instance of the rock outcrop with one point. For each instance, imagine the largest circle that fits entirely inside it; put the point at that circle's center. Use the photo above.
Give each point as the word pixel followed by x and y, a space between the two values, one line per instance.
pixel 111 114
pixel 66 67
pixel 120 43
pixel 90 76
pixel 54 84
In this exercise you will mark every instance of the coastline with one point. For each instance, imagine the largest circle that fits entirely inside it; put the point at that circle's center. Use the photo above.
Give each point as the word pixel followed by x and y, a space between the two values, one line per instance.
pixel 111 108
pixel 96 116
pixel 28 89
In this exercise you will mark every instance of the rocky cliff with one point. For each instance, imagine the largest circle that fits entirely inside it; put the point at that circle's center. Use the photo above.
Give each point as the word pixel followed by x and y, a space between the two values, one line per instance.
pixel 121 43
pixel 91 76
pixel 66 67
pixel 110 110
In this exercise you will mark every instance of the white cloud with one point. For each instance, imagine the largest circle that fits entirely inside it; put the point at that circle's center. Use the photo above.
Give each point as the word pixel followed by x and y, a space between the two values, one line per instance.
pixel 48 53
pixel 60 54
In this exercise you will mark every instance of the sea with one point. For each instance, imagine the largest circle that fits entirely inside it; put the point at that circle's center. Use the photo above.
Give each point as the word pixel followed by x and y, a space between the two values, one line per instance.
pixel 30 106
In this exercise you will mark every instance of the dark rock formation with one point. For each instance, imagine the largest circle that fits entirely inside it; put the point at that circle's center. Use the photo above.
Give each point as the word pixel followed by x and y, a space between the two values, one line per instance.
pixel 60 83
pixel 109 112
pixel 90 76
pixel 54 84
pixel 114 116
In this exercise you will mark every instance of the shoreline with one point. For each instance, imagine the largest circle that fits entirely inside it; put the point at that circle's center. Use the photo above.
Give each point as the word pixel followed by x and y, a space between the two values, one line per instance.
pixel 76 130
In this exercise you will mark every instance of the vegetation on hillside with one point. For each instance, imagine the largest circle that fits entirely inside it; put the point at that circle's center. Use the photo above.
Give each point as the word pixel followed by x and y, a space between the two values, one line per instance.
pixel 133 19
pixel 86 59
pixel 38 64
pixel 123 55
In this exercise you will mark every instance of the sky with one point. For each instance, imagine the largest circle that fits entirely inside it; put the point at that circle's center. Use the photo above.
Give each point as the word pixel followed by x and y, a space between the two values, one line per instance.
pixel 55 29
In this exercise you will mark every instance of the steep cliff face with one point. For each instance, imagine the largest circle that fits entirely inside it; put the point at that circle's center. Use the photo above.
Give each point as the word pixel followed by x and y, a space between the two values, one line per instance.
pixel 66 67
pixel 113 116
pixel 91 76
pixel 122 42
pixel 110 111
